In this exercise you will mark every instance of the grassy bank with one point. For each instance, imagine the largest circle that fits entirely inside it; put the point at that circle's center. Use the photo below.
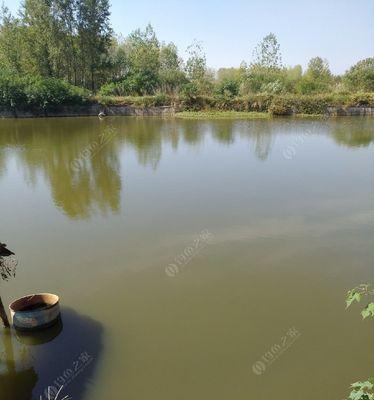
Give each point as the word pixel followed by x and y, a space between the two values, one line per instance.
pixel 30 92
pixel 259 103
pixel 222 115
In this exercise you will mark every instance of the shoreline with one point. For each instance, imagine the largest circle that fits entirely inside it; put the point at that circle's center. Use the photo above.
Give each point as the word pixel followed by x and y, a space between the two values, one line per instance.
pixel 168 111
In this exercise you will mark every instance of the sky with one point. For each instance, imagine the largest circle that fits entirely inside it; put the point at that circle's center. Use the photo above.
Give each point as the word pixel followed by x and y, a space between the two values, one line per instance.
pixel 340 31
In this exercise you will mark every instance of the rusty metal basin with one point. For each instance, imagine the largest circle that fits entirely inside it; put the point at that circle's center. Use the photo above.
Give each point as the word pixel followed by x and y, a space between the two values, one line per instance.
pixel 35 311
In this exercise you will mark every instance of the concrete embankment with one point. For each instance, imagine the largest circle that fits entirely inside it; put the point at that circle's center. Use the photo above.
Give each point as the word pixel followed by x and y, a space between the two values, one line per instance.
pixel 87 110
pixel 94 109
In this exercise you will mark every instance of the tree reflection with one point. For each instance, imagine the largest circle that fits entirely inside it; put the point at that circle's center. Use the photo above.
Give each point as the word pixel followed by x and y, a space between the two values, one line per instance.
pixel 260 134
pixel 50 147
pixel 146 138
pixel 223 131
pixel 79 158
pixel 358 132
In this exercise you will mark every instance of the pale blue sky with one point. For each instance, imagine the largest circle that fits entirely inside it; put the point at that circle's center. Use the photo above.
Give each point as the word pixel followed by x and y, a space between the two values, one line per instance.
pixel 341 31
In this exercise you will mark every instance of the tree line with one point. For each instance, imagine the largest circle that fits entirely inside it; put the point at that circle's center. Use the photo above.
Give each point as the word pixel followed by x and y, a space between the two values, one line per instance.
pixel 72 40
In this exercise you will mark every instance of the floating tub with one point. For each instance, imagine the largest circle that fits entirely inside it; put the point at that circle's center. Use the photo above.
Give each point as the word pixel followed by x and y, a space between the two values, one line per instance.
pixel 35 311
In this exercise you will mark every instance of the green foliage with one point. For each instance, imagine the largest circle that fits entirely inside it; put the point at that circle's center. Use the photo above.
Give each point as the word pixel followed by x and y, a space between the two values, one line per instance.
pixel 362 390
pixel 356 294
pixel 142 51
pixel 361 76
pixel 94 37
pixel 67 39
pixel 300 104
pixel 144 67
pixel 227 87
pixel 317 79
pixel 234 74
pixel 49 92
pixel 291 77
pixel 221 115
pixel 283 104
pixel 171 75
pixel 71 40
pixel 12 90
pixel 11 49
pixel 33 91
pixel 138 101
pixel 197 71
pixel 260 79
pixel 280 106
pixel 267 53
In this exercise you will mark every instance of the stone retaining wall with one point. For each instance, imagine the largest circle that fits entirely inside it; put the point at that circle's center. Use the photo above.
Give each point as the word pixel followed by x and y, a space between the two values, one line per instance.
pixel 127 110
pixel 87 110
pixel 350 111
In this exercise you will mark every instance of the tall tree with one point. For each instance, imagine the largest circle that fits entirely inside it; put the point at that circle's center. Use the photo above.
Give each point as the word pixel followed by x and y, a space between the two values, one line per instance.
pixel 94 39
pixel 40 38
pixel 317 78
pixel 142 50
pixel 361 76
pixel 267 54
pixel 196 69
pixel 171 75
pixel 64 14
pixel 11 45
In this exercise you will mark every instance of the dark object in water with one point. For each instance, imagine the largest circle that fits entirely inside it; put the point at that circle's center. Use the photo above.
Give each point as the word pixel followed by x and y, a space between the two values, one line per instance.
pixel 36 311
pixel 4 252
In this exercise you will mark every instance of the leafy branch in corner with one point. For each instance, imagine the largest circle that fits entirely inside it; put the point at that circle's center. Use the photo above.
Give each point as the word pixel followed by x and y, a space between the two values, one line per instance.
pixel 357 294
pixel 362 390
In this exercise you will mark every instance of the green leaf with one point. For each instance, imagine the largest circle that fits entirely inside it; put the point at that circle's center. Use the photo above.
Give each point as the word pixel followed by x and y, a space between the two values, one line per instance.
pixel 356 395
pixel 353 296
pixel 362 390
pixel 368 311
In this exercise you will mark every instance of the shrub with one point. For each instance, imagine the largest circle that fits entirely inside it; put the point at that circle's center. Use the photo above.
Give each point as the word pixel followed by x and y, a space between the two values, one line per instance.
pixel 361 76
pixel 280 106
pixel 50 92
pixel 227 87
pixel 17 91
pixel 138 101
pixel 12 90
pixel 110 89
pixel 361 99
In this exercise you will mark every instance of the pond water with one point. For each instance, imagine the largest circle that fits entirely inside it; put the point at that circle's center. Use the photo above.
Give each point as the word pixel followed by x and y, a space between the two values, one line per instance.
pixel 194 259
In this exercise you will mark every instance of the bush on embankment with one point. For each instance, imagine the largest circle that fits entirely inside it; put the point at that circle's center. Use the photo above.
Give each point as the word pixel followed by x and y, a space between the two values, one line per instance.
pixel 274 104
pixel 28 92
pixel 137 101
pixel 34 92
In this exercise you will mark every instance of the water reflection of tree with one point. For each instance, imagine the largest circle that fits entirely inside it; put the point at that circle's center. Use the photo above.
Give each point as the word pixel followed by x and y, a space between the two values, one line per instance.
pixel 356 132
pixel 261 136
pixel 145 137
pixel 50 147
pixel 193 131
pixel 15 383
pixel 223 131
pixel 3 160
